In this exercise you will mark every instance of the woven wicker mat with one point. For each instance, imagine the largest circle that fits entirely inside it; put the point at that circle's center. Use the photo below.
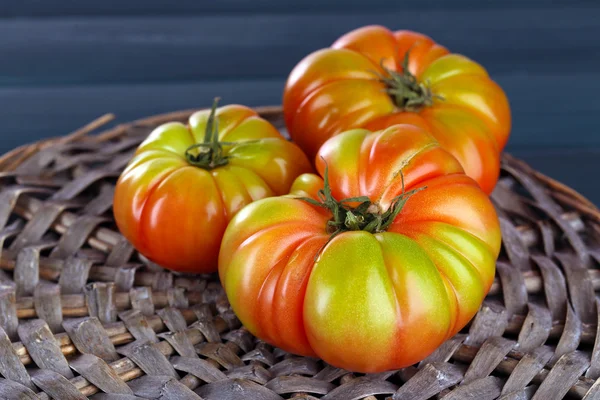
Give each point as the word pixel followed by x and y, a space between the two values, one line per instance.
pixel 81 314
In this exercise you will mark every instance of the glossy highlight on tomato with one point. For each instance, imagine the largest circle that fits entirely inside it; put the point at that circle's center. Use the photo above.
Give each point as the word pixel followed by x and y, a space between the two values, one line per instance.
pixel 185 183
pixel 372 270
pixel 373 78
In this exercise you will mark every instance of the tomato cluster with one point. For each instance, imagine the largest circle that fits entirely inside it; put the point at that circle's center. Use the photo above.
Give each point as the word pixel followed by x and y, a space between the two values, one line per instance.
pixel 384 253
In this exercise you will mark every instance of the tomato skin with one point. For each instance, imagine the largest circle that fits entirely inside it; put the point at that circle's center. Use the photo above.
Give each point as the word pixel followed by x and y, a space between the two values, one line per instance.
pixel 175 213
pixel 366 302
pixel 336 89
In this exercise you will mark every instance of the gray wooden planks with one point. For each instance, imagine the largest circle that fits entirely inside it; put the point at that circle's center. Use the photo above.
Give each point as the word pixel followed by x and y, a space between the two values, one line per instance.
pixel 152 7
pixel 77 50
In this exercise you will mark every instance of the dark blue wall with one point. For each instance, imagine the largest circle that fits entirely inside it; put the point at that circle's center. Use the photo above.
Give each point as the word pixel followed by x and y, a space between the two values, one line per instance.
pixel 65 62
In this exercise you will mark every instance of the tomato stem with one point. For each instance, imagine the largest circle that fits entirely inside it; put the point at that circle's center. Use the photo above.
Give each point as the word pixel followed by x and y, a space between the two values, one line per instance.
pixel 210 153
pixel 403 87
pixel 367 216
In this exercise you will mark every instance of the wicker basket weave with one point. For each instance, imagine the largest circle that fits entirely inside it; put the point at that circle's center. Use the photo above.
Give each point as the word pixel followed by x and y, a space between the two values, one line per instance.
pixel 81 314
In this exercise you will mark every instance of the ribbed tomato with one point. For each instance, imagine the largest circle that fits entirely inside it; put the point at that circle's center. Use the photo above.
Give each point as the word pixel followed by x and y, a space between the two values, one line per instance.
pixel 373 269
pixel 185 183
pixel 373 78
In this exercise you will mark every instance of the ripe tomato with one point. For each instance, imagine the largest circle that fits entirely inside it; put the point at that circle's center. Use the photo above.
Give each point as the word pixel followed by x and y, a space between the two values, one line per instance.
pixel 374 270
pixel 185 183
pixel 374 78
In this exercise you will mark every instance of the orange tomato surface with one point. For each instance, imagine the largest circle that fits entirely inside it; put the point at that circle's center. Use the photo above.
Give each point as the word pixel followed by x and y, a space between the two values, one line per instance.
pixel 175 212
pixel 365 299
pixel 350 86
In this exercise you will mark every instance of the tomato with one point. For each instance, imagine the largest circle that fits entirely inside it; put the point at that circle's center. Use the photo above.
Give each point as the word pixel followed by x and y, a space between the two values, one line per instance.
pixel 373 78
pixel 373 270
pixel 185 182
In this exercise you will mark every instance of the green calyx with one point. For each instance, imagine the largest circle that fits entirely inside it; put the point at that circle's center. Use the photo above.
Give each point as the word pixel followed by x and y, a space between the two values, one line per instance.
pixel 403 87
pixel 367 216
pixel 209 154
